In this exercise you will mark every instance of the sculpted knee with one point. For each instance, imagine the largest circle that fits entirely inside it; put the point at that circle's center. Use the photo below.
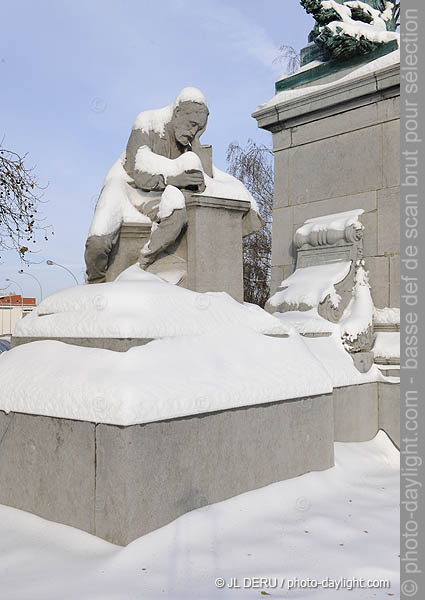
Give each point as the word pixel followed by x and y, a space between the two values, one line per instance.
pixel 98 250
pixel 178 218
pixel 98 244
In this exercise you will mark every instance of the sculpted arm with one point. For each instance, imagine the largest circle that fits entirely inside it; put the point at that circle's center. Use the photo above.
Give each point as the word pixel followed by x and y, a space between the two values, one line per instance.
pixel 153 172
pixel 144 179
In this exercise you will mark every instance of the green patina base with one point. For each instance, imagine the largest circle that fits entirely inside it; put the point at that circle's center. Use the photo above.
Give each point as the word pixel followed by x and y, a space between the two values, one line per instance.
pixel 333 66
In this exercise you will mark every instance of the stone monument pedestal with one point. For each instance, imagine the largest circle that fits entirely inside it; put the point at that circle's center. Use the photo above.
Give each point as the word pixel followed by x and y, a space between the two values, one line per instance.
pixel 207 257
pixel 122 482
pixel 214 245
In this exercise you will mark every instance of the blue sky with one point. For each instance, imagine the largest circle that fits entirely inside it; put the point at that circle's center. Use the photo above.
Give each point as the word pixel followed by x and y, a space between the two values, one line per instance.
pixel 75 74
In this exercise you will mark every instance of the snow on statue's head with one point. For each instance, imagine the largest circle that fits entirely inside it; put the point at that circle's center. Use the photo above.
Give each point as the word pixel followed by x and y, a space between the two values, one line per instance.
pixel 190 115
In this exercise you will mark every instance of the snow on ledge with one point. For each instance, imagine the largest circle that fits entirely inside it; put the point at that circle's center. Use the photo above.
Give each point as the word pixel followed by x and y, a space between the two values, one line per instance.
pixel 383 62
pixel 387 345
pixel 139 304
pixel 311 285
pixel 329 349
pixel 164 379
pixel 213 354
pixel 386 316
pixel 337 222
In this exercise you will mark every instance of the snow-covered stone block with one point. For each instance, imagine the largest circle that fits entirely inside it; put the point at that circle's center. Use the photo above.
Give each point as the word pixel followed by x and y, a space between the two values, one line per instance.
pixel 122 482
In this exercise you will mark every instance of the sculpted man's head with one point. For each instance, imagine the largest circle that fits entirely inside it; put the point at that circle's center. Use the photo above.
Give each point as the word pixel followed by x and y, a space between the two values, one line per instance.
pixel 190 115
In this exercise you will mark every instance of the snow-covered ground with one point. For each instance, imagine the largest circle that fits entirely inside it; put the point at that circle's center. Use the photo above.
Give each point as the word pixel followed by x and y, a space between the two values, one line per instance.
pixel 328 525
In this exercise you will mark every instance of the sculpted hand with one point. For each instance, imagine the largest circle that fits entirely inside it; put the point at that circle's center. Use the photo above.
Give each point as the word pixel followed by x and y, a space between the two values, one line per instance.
pixel 191 179
pixel 196 141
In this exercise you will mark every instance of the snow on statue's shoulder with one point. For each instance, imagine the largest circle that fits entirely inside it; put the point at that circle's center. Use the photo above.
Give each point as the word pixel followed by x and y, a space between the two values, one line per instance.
pixel 154 120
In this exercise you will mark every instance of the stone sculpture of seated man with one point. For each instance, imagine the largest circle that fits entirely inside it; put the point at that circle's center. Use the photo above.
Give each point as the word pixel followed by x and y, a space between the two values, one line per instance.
pixel 146 181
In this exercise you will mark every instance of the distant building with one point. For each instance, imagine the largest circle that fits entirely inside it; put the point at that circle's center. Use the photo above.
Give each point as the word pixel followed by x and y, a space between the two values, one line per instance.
pixel 13 308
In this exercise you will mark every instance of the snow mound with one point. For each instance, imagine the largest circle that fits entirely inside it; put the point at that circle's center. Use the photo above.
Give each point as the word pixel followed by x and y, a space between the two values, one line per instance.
pixel 164 379
pixel 224 185
pixel 308 321
pixel 329 350
pixel 141 305
pixel 338 363
pixel 214 354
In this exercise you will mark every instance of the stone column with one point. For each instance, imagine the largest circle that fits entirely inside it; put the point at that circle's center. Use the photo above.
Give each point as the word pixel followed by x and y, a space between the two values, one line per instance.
pixel 214 244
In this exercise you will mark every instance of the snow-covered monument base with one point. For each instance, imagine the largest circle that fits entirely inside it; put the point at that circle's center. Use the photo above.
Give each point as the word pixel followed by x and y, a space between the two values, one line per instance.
pixel 223 398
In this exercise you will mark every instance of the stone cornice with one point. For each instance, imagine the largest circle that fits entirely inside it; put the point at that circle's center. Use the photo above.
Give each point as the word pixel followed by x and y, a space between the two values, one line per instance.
pixel 366 87
pixel 198 201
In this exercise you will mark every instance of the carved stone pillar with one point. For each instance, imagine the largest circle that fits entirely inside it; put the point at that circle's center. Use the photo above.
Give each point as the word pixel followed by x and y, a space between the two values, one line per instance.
pixel 214 245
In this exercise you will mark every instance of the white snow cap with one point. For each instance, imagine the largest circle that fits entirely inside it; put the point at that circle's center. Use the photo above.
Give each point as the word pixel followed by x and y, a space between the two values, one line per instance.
pixel 190 94
pixel 335 221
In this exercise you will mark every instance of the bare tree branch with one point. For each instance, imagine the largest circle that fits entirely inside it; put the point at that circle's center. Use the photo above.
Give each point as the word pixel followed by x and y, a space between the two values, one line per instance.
pixel 289 58
pixel 253 165
pixel 20 197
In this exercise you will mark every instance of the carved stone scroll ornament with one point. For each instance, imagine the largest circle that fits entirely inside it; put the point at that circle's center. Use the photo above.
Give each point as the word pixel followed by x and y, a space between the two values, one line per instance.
pixel 329 237
pixel 348 244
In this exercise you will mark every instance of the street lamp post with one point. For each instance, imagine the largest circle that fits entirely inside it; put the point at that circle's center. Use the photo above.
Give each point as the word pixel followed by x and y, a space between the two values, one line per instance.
pixel 22 272
pixel 19 286
pixel 2 313
pixel 51 262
